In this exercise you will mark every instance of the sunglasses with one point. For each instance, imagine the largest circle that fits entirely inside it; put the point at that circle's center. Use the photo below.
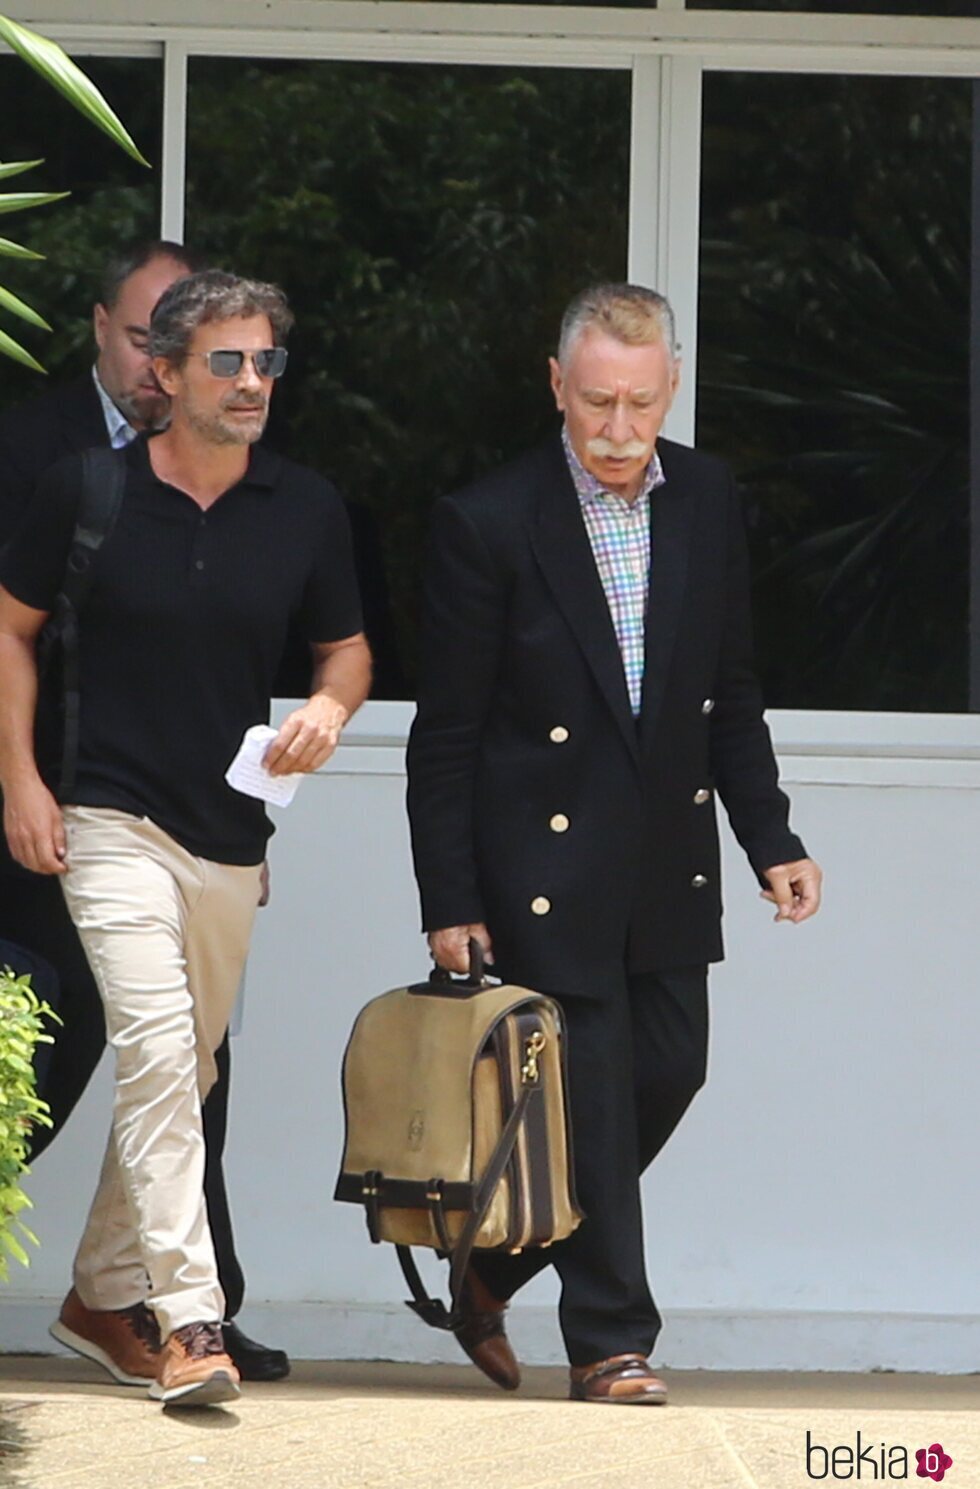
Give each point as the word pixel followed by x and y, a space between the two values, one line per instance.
pixel 269 362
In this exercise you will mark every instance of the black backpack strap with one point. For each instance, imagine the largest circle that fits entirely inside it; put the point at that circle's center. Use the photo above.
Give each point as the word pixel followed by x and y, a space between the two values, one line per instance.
pixel 103 481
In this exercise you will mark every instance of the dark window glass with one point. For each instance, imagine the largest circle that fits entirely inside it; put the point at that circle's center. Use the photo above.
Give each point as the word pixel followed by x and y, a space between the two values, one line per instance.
pixel 429 224
pixel 113 200
pixel 834 370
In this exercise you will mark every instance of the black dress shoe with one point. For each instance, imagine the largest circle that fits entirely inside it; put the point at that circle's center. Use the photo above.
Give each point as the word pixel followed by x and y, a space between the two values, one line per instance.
pixel 253 1361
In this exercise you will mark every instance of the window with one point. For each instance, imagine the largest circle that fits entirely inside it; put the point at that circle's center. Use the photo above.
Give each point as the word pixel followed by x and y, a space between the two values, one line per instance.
pixel 113 200
pixel 834 371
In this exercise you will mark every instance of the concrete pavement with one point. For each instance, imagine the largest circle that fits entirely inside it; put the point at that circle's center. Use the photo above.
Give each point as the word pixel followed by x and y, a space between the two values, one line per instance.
pixel 63 1425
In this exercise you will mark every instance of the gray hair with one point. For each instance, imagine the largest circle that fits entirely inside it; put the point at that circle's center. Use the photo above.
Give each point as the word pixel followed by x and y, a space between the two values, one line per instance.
pixel 629 312
pixel 130 260
pixel 212 296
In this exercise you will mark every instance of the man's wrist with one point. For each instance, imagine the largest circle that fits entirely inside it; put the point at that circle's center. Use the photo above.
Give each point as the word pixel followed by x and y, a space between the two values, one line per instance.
pixel 19 775
pixel 339 711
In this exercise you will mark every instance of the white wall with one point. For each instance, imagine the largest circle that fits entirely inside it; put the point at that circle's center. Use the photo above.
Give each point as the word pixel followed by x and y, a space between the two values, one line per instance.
pixel 818 1208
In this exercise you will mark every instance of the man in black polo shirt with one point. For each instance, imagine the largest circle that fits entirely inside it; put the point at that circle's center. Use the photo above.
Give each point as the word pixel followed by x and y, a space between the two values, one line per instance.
pixel 216 546
pixel 116 399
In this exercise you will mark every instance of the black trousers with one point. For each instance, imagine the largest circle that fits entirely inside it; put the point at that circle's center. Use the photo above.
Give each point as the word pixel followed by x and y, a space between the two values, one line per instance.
pixel 33 914
pixel 636 1058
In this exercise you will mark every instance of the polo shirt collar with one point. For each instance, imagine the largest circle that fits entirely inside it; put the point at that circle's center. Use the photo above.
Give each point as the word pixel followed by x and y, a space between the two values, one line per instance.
pixel 263 469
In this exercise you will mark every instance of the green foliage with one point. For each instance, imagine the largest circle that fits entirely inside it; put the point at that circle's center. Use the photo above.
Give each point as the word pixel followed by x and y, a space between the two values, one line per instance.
pixel 834 370
pixel 21 1030
pixel 56 68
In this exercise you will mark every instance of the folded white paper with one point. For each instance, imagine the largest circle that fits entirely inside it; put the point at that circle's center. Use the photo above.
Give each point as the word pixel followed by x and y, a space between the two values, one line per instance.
pixel 248 775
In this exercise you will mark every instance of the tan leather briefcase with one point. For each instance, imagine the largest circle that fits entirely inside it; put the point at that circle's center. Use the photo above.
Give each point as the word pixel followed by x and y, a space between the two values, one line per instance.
pixel 457 1124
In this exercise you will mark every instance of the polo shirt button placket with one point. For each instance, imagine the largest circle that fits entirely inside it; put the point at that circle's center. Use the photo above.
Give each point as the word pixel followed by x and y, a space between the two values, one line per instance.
pixel 199 563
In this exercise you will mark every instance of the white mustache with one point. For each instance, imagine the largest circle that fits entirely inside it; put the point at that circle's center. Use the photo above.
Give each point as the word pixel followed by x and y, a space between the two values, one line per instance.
pixel 604 449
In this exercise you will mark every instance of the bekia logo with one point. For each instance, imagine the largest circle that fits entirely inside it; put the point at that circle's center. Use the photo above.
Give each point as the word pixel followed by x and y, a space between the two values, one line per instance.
pixel 870 1460
pixel 933 1462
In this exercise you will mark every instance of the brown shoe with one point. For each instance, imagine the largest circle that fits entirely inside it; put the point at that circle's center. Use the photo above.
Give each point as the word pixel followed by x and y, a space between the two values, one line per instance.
pixel 622 1380
pixel 195 1369
pixel 481 1333
pixel 125 1341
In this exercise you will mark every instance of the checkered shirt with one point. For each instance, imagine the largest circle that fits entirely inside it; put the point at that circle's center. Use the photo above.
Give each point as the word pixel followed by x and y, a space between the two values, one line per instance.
pixel 619 532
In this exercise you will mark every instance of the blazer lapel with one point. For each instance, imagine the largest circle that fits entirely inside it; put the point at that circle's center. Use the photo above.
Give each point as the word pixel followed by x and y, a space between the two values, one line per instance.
pixel 671 520
pixel 564 554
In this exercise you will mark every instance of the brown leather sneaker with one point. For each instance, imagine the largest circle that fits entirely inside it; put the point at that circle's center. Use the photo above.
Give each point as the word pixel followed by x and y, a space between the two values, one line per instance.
pixel 194 1368
pixel 481 1333
pixel 125 1341
pixel 622 1380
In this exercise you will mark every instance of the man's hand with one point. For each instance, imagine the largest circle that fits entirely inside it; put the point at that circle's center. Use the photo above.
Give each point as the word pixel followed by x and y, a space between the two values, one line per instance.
pixel 35 830
pixel 794 888
pixel 451 948
pixel 307 738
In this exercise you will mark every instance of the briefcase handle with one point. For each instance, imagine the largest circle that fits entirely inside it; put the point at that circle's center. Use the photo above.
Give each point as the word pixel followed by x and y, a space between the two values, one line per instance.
pixel 458 987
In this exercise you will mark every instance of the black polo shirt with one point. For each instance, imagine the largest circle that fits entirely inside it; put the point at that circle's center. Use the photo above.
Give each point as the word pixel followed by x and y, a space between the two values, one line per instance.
pixel 183 630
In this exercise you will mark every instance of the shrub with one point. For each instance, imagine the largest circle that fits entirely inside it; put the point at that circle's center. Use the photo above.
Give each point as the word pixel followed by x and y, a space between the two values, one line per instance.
pixel 22 1016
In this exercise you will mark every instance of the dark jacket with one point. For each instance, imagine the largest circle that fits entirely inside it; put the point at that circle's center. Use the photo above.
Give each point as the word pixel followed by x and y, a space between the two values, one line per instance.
pixel 33 435
pixel 524 714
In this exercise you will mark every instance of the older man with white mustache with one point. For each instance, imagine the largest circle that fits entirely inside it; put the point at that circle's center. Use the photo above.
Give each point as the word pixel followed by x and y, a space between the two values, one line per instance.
pixel 586 687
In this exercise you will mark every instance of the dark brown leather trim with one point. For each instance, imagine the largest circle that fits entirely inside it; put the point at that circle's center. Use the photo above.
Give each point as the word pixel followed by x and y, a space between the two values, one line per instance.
pixel 401 1194
pixel 542 1217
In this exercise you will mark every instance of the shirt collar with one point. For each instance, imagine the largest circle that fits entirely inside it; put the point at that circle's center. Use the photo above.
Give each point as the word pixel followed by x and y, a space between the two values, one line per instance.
pixel 590 489
pixel 263 468
pixel 118 427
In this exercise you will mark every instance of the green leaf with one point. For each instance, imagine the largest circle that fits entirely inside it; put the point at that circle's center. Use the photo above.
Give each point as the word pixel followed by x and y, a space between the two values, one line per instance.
pixel 16 201
pixel 14 168
pixel 19 307
pixel 17 250
pixel 10 348
pixel 14 1247
pixel 57 68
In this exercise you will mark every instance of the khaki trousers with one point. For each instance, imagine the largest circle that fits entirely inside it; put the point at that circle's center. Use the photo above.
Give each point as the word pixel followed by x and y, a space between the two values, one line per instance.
pixel 166 935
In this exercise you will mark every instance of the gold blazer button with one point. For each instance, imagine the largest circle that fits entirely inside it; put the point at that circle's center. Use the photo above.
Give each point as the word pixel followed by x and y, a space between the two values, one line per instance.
pixel 698 882
pixel 559 734
pixel 701 796
pixel 559 822
pixel 541 905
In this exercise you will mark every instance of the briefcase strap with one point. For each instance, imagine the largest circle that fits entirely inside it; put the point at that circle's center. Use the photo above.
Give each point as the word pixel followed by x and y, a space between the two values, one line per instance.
pixel 432 1310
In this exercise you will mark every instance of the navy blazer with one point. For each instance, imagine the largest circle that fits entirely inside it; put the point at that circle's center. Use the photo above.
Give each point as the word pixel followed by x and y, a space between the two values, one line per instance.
pixel 524 717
